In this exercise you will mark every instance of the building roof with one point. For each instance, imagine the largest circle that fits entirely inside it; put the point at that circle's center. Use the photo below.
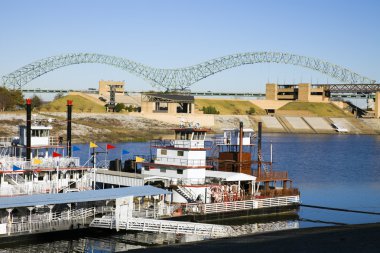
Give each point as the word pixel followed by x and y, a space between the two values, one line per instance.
pixel 167 97
pixel 83 196
pixel 230 176
pixel 237 130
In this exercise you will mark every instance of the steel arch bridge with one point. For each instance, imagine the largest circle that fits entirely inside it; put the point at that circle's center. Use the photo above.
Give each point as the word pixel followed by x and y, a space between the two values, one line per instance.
pixel 179 78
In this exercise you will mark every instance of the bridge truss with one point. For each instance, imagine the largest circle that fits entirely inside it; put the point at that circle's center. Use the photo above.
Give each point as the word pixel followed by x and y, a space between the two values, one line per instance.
pixel 180 78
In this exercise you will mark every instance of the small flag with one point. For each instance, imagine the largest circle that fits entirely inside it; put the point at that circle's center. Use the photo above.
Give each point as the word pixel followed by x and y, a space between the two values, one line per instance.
pixel 75 148
pixel 37 161
pixel 109 146
pixel 16 167
pixel 139 159
pixel 125 152
pixel 93 145
pixel 55 154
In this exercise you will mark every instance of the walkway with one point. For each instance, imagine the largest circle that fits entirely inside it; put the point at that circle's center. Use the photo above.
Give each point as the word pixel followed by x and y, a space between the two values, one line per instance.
pixel 163 226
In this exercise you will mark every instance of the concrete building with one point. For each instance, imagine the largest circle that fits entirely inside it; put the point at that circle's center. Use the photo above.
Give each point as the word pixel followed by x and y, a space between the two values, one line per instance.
pixel 167 103
pixel 104 87
pixel 303 92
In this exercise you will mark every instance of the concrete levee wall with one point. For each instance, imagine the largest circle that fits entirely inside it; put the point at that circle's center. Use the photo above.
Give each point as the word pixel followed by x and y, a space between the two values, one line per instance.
pixel 269 104
pixel 205 120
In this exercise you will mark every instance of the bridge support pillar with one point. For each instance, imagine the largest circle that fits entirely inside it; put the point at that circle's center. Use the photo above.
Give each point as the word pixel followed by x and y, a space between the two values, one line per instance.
pixel 377 105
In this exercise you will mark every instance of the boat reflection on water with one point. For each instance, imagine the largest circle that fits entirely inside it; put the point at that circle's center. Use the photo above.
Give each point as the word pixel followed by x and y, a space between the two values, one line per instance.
pixel 121 242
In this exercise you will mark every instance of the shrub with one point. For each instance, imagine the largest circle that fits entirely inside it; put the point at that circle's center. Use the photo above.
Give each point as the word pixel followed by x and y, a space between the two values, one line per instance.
pixel 251 111
pixel 210 110
pixel 119 107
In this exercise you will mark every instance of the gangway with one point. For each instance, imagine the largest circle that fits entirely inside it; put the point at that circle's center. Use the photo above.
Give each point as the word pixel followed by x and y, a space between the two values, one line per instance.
pixel 163 226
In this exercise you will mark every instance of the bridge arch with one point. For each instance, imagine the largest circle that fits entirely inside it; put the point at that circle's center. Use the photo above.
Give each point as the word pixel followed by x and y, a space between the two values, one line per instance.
pixel 180 78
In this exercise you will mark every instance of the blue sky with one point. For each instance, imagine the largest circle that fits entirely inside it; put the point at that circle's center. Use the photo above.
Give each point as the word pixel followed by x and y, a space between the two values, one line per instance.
pixel 178 33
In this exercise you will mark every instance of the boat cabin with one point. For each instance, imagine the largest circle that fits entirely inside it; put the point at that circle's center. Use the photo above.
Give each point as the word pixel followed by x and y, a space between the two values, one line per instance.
pixel 183 158
pixel 189 138
pixel 232 136
pixel 40 135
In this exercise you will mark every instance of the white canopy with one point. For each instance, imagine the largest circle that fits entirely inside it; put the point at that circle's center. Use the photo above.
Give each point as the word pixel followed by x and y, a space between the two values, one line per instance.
pixel 230 176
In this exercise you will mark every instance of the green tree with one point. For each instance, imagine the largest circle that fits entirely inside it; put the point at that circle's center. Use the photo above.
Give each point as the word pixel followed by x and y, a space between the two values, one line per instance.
pixel 10 99
pixel 36 101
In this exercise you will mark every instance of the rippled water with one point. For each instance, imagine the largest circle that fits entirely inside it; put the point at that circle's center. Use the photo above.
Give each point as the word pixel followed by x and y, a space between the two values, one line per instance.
pixel 341 171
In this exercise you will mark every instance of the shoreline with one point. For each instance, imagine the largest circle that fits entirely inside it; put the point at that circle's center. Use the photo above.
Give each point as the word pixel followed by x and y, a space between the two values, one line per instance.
pixel 114 127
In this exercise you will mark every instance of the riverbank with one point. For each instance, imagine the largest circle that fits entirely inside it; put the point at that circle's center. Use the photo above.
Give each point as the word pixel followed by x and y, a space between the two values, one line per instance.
pixel 123 127
pixel 348 238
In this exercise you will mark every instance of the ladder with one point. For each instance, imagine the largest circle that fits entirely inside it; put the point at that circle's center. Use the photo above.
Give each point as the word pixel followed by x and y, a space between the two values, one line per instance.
pixel 265 167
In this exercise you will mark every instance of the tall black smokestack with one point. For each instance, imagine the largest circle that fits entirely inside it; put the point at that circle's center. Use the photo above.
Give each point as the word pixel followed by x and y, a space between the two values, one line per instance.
pixel 259 157
pixel 28 128
pixel 240 146
pixel 69 113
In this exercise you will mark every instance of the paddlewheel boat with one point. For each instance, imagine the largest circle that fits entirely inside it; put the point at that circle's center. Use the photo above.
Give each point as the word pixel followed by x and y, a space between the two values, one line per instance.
pixel 218 176
pixel 35 162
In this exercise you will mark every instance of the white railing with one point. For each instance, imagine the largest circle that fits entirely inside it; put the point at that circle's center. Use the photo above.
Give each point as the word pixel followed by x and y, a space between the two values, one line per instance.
pixel 7 162
pixel 240 205
pixel 278 201
pixel 53 162
pixel 42 187
pixel 48 221
pixel 180 161
pixel 189 143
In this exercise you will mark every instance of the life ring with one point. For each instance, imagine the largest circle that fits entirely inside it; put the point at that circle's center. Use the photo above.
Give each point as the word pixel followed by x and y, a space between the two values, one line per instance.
pixel 71 165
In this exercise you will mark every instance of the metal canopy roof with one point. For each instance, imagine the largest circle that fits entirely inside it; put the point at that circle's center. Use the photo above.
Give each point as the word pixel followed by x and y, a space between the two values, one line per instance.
pixel 83 196
pixel 165 97
pixel 230 176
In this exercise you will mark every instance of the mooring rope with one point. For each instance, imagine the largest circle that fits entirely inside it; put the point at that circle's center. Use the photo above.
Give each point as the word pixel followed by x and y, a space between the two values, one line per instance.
pixel 321 221
pixel 340 209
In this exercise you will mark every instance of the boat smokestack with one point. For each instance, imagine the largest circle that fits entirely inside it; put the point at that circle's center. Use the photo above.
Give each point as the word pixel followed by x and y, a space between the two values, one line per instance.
pixel 28 128
pixel 240 146
pixel 69 114
pixel 259 157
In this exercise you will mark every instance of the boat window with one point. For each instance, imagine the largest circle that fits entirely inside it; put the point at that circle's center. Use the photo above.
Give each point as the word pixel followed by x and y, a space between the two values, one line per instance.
pixel 34 133
pixel 180 153
pixel 182 136
pixel 163 170
pixel 179 171
pixel 164 152
pixel 199 136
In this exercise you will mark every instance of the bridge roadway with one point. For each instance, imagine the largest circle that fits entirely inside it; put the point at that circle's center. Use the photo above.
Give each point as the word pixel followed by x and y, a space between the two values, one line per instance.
pixel 336 90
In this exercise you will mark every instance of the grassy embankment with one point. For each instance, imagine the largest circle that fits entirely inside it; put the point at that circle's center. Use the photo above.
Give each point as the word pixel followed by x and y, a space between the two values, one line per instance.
pixel 99 129
pixel 229 107
pixel 81 104
pixel 315 109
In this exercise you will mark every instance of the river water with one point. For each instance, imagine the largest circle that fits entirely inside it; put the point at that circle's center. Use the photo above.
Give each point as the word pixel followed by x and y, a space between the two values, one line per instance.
pixel 340 171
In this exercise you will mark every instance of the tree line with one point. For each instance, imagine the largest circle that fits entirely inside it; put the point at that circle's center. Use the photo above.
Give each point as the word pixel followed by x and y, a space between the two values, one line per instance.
pixel 11 100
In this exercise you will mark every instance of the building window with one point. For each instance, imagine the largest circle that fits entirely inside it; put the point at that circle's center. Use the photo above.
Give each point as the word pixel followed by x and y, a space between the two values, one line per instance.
pixel 163 170
pixel 164 152
pixel 179 171
pixel 180 153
